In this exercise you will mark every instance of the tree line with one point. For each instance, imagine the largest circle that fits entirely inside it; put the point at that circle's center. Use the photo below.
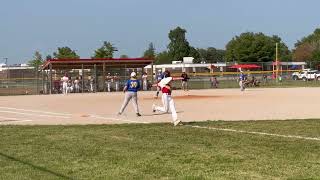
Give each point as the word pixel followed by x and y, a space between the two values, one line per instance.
pixel 246 47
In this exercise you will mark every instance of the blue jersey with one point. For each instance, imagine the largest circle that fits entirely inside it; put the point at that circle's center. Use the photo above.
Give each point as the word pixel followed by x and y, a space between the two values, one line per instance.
pixel 242 77
pixel 133 85
pixel 160 76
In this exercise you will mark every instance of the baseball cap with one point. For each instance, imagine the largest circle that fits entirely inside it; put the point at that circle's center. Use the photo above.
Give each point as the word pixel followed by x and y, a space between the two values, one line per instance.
pixel 133 74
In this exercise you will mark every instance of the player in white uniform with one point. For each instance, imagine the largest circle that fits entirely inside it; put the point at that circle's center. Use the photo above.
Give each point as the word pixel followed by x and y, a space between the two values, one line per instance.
pixel 108 82
pixel 65 80
pixel 76 85
pixel 167 100
pixel 116 81
pixel 145 81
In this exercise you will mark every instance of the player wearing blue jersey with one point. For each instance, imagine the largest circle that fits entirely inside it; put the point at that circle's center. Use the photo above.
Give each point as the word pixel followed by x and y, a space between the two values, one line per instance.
pixel 242 79
pixel 131 88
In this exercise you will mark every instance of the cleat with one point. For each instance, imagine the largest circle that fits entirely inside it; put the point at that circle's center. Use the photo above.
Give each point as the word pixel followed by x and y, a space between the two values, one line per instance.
pixel 119 114
pixel 176 122
pixel 138 114
pixel 153 108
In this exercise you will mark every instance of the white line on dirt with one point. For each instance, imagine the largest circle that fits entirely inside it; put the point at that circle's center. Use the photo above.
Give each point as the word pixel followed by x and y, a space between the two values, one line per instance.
pixel 32 114
pixel 36 111
pixel 9 119
pixel 117 119
pixel 258 133
pixel 15 121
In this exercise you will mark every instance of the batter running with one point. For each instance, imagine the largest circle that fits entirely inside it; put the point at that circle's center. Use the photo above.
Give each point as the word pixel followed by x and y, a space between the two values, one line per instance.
pixel 131 87
pixel 167 100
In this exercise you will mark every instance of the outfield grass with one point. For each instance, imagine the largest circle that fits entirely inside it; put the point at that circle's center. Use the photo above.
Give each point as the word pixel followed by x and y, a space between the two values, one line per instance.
pixel 160 151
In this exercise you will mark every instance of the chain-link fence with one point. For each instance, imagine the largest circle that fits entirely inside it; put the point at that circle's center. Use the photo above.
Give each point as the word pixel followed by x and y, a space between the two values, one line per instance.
pixel 21 82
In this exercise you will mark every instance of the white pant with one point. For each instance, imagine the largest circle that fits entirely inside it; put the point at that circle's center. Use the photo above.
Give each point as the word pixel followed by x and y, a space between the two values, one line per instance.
pixel 168 104
pixel 65 88
pixel 117 86
pixel 242 86
pixel 91 87
pixel 109 86
pixel 145 85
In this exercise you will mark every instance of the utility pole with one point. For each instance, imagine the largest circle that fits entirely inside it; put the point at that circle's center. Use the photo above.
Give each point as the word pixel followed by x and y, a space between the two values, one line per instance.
pixel 277 63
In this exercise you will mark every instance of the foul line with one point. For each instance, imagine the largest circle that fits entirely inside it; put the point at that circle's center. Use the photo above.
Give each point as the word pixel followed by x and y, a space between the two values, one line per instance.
pixel 117 119
pixel 8 119
pixel 27 110
pixel 44 115
pixel 258 133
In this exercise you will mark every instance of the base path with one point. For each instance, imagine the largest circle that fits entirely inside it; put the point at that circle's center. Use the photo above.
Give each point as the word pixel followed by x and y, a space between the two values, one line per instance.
pixel 193 105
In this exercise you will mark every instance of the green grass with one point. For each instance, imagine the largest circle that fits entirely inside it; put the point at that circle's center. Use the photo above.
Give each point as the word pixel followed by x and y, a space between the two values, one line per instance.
pixel 160 151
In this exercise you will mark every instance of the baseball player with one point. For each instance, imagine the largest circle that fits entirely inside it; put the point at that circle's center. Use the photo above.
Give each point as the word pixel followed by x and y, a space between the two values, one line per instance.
pixel 184 83
pixel 65 80
pixel 167 100
pixel 77 85
pixel 242 81
pixel 132 86
pixel 145 81
pixel 108 81
pixel 116 81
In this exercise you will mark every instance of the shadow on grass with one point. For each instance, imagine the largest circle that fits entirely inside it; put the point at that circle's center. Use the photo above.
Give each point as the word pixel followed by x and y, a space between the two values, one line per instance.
pixel 35 166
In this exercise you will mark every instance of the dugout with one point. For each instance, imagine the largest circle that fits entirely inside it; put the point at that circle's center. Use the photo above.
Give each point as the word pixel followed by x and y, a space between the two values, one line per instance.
pixel 90 69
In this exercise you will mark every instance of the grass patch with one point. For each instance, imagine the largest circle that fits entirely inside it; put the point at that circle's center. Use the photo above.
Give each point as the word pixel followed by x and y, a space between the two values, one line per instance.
pixel 160 151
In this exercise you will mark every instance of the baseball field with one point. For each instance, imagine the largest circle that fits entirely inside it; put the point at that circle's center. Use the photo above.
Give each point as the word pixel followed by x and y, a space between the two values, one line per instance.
pixel 270 133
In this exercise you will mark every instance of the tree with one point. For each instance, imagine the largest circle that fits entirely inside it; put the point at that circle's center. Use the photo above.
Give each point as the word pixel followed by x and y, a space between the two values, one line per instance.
pixel 124 56
pixel 178 46
pixel 36 61
pixel 65 53
pixel 195 54
pixel 150 52
pixel 105 51
pixel 308 49
pixel 48 57
pixel 163 58
pixel 211 54
pixel 303 52
pixel 255 47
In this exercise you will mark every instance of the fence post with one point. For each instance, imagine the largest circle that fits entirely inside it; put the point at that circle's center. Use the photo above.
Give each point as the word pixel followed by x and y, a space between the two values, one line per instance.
pixel 104 76
pixel 37 79
pixel 82 78
pixel 50 90
pixel 43 84
pixel 95 77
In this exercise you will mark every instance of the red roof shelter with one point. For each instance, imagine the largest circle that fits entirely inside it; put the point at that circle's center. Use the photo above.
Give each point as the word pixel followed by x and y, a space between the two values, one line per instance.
pixel 97 68
pixel 60 64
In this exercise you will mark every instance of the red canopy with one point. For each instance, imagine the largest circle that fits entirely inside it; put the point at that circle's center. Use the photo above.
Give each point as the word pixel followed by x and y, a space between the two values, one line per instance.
pixel 276 63
pixel 245 66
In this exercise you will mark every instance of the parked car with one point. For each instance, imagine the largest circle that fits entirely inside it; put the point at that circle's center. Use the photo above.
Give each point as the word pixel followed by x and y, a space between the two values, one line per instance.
pixel 306 74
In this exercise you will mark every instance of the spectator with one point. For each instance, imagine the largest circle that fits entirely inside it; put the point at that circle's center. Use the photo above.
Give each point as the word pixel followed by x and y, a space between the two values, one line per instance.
pixel 184 82
pixel 214 82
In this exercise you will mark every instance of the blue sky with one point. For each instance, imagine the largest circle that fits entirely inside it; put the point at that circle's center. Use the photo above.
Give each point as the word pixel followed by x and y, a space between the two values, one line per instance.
pixel 44 25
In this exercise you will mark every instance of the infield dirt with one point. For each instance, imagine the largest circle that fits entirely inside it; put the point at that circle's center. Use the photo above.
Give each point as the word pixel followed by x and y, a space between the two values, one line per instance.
pixel 193 105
